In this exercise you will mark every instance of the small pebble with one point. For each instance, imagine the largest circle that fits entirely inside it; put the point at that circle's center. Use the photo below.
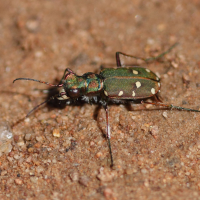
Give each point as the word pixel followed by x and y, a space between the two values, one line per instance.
pixel 144 171
pixel 74 176
pixel 108 193
pixel 16 156
pixel 154 131
pixel 130 171
pixel 56 133
pixel 18 181
pixel 28 136
pixel 34 179
pixel 39 169
pixel 105 175
pixel 99 154
pixel 3 173
pixel 165 114
pixel 6 137
pixel 39 139
pixel 174 64
pixel 32 25
pixel 84 180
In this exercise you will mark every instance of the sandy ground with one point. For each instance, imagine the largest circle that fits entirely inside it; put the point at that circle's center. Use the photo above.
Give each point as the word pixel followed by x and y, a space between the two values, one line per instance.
pixel 62 153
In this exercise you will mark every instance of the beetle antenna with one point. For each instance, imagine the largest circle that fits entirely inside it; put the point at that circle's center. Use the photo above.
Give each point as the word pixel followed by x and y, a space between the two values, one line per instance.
pixel 170 106
pixel 30 79
pixel 36 107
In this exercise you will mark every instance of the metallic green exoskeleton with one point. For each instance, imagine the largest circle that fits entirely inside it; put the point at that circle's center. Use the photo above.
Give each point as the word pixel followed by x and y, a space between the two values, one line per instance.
pixel 130 83
pixel 117 85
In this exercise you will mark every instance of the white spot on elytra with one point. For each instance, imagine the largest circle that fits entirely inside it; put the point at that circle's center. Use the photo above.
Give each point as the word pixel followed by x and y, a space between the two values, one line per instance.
pixel 135 72
pixel 120 93
pixel 105 93
pixel 158 84
pixel 133 94
pixel 138 84
pixel 157 78
pixel 147 70
pixel 153 91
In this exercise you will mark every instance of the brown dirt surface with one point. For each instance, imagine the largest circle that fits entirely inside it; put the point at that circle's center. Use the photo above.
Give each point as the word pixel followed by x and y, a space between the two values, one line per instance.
pixel 62 153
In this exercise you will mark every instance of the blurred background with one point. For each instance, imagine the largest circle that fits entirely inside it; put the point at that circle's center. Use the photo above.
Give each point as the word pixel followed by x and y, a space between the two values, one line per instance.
pixel 62 153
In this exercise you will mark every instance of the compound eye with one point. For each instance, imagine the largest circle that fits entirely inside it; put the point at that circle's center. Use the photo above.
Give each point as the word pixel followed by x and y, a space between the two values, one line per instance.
pixel 74 93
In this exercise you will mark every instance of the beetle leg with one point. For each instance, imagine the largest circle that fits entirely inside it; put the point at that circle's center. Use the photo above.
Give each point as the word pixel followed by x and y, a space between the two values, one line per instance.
pixel 170 106
pixel 108 133
pixel 66 70
pixel 119 61
pixel 120 64
pixel 160 55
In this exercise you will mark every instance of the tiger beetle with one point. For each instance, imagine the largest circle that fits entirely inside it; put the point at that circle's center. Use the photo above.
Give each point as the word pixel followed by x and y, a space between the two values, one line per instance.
pixel 123 84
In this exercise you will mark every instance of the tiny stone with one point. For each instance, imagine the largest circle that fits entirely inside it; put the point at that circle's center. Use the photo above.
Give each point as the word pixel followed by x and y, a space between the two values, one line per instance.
pixel 29 159
pixel 21 143
pixel 10 159
pixel 38 54
pixel 39 139
pixel 108 193
pixel 32 25
pixel 28 136
pixel 165 114
pixel 6 137
pixel 3 173
pixel 18 181
pixel 174 64
pixel 39 169
pixel 144 171
pixel 16 156
pixel 32 174
pixel 56 133
pixel 105 175
pixel 99 154
pixel 34 179
pixel 30 150
pixel 37 145
pixel 154 130
pixel 187 173
pixel 74 176
pixel 130 171
pixel 84 180
pixel 92 143
pixel 146 184
pixel 27 120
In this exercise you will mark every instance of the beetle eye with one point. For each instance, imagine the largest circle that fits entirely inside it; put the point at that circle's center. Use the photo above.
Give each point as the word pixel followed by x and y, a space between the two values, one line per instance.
pixel 74 93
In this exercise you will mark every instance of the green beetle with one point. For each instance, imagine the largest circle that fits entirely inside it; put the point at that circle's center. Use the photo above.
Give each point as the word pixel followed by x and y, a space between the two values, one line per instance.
pixel 117 85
